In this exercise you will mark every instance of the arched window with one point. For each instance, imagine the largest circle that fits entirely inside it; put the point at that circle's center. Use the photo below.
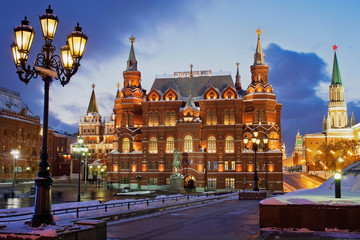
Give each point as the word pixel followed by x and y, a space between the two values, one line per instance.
pixel 188 143
pixel 173 120
pixel 229 144
pixel 170 145
pixel 125 145
pixel 167 118
pixel 153 145
pixel 212 144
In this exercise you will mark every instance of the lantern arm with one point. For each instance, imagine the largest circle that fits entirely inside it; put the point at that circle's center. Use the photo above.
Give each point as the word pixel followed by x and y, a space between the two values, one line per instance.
pixel 25 73
pixel 67 74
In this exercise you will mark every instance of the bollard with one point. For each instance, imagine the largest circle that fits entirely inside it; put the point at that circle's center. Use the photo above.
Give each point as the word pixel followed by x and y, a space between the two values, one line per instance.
pixel 188 198
pixel 129 205
pixel 77 212
pixel 105 208
pixel 163 200
pixel 147 202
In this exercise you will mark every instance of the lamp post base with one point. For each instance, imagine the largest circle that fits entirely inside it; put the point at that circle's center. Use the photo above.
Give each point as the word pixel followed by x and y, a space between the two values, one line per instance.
pixel 42 211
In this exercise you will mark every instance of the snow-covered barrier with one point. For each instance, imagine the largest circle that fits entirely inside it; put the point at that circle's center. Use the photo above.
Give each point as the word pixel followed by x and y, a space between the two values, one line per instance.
pixel 316 209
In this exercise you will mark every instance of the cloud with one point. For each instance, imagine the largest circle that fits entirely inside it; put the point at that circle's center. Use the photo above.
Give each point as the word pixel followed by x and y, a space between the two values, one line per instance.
pixel 298 78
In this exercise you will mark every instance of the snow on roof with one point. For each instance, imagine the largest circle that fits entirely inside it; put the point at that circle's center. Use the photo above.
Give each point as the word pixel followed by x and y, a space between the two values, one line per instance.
pixel 11 101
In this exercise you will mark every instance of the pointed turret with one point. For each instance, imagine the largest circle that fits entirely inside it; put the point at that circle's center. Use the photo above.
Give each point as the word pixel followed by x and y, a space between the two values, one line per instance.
pixel 324 124
pixel 336 78
pixel 93 108
pixel 259 56
pixel 352 120
pixel 117 92
pixel 132 63
pixel 237 81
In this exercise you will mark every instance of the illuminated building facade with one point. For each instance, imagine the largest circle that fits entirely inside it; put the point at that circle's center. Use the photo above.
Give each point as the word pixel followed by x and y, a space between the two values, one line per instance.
pixel 205 118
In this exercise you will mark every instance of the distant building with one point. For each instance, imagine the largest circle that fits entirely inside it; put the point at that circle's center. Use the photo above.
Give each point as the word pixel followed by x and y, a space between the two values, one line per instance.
pixel 21 130
pixel 201 115
pixel 336 125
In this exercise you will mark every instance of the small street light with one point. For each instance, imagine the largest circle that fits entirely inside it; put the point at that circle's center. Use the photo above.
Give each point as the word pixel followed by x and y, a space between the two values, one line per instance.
pixel 15 154
pixel 48 66
pixel 337 177
pixel 79 149
pixel 256 143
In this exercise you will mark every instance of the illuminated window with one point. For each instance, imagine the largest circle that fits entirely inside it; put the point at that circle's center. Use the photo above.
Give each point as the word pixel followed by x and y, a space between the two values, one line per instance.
pixel 212 95
pixel 156 119
pixel 215 165
pixel 153 148
pixel 153 181
pixel 232 117
pixel 208 118
pixel 229 144
pixel 211 182
pixel 170 145
pixel 257 116
pixel 188 144
pixel 262 119
pixel 226 165
pixel 124 119
pixel 129 120
pixel 151 119
pixel 212 144
pixel 214 118
pixel 230 183
pixel 125 145
pixel 167 118
pixel 232 165
pixel 173 120
pixel 226 118
pixel 170 97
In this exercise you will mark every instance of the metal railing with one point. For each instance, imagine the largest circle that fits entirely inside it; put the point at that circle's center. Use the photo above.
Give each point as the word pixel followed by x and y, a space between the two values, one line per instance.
pixel 107 206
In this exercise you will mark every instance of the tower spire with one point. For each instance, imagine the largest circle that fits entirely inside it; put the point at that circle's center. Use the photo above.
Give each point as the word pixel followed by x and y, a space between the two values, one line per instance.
pixel 93 108
pixel 336 78
pixel 117 93
pixel 237 81
pixel 259 57
pixel 132 63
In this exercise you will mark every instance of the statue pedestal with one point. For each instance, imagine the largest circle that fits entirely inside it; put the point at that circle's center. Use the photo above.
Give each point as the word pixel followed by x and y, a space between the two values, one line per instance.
pixel 177 183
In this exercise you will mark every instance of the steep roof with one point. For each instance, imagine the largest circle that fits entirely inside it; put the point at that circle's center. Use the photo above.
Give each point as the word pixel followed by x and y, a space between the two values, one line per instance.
pixel 198 85
pixel 93 108
pixel 132 63
pixel 259 56
pixel 336 78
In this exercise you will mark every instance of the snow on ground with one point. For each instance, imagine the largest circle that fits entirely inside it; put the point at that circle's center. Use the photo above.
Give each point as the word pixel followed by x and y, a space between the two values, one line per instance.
pixel 325 193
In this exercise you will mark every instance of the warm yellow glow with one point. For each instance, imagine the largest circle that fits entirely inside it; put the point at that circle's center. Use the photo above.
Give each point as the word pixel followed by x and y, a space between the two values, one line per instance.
pixel 133 168
pixel 66 57
pixel 49 27
pixel 221 167
pixel 115 168
pixel 238 168
pixel 265 140
pixel 271 167
pixel 24 36
pixel 246 141
pixel 256 134
pixel 144 168
pixel 250 167
pixel 200 167
pixel 161 167
pixel 17 55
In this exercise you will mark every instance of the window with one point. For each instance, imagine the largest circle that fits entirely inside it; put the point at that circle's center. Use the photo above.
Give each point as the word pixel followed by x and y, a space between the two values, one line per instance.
pixel 170 145
pixel 188 143
pixel 214 118
pixel 232 117
pixel 167 181
pixel 156 165
pixel 124 119
pixel 226 117
pixel 229 144
pixel 262 119
pixel 127 165
pixel 208 118
pixel 156 119
pixel 211 118
pixel 257 116
pixel 149 165
pixel 232 165
pixel 208 165
pixel 167 118
pixel 226 165
pixel 151 119
pixel 215 165
pixel 153 148
pixel 230 183
pixel 129 120
pixel 167 166
pixel 173 120
pixel 124 180
pixel 211 183
pixel 153 181
pixel 212 144
pixel 126 145
pixel 122 165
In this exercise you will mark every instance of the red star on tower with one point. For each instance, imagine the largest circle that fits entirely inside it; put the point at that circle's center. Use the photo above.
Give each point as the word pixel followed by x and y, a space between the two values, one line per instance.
pixel 335 47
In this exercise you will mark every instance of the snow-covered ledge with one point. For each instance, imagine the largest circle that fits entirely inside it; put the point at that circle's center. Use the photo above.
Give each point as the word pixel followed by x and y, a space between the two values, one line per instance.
pixel 316 209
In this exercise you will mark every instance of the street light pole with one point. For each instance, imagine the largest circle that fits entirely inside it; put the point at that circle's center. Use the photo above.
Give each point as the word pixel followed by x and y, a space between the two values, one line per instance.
pixel 15 154
pixel 80 148
pixel 49 66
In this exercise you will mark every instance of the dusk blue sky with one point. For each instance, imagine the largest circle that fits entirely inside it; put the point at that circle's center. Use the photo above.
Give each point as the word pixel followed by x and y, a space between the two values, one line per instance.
pixel 212 35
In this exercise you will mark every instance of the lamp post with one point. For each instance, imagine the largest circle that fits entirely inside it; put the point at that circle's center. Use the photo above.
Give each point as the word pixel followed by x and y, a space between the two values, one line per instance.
pixel 80 148
pixel 86 167
pixel 337 177
pixel 15 154
pixel 256 141
pixel 48 66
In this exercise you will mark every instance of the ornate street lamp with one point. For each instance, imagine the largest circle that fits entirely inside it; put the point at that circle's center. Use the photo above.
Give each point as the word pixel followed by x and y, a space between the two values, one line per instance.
pixel 15 154
pixel 80 149
pixel 48 66
pixel 256 143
